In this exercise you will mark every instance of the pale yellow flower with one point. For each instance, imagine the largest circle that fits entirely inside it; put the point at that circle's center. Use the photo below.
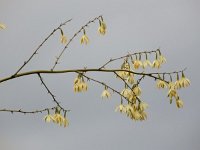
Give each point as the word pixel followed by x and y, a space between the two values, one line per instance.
pixel 179 103
pixel 84 39
pixel 178 84
pixel 106 94
pixel 2 26
pixel 122 74
pixel 121 108
pixel 136 115
pixel 143 115
pixel 128 109
pixel 184 82
pixel 63 39
pixel 171 85
pixel 77 87
pixel 130 78
pixel 77 80
pixel 147 63
pixel 65 122
pixel 137 90
pixel 58 118
pixel 79 84
pixel 102 28
pixel 161 84
pixel 48 118
pixel 103 24
pixel 127 93
pixel 143 106
pixel 125 66
pixel 162 59
pixel 172 93
pixel 84 86
pixel 156 64
pixel 137 64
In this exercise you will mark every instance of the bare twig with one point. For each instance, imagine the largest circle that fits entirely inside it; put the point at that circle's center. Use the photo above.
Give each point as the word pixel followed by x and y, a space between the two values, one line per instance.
pixel 35 52
pixel 26 112
pixel 49 92
pixel 82 28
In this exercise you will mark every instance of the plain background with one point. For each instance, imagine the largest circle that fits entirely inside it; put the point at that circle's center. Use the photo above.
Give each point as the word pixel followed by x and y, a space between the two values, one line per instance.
pixel 133 25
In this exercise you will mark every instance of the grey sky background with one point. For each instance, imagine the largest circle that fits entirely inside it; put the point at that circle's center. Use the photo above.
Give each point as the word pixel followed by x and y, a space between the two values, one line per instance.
pixel 132 26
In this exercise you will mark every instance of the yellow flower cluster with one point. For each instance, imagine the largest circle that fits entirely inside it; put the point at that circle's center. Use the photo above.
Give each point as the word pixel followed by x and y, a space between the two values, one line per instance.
pixel 173 87
pixel 131 94
pixel 137 63
pixel 182 83
pixel 79 84
pixel 134 111
pixel 57 118
pixel 129 77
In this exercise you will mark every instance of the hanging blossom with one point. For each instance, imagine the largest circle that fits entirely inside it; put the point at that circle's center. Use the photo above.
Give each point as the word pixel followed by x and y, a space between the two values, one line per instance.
pixel 79 84
pixel 137 90
pixel 161 83
pixel 184 82
pixel 135 111
pixel 137 63
pixel 179 103
pixel 105 93
pixel 57 118
pixel 124 74
pixel 63 38
pixel 146 62
pixel 84 38
pixel 102 27
pixel 161 58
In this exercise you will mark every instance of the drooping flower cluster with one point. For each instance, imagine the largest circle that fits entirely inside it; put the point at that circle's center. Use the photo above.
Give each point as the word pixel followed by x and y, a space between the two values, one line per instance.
pixel 57 118
pixel 173 87
pixel 79 84
pixel 138 63
pixel 135 111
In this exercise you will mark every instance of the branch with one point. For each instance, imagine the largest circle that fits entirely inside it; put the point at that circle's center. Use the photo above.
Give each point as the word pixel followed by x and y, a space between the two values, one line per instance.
pixel 128 55
pixel 109 87
pixel 49 92
pixel 26 112
pixel 35 52
pixel 152 75
pixel 82 28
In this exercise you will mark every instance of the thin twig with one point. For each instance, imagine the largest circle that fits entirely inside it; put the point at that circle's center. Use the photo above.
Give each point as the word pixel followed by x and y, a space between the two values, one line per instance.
pixel 26 112
pixel 82 28
pixel 128 55
pixel 49 92
pixel 109 87
pixel 36 51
